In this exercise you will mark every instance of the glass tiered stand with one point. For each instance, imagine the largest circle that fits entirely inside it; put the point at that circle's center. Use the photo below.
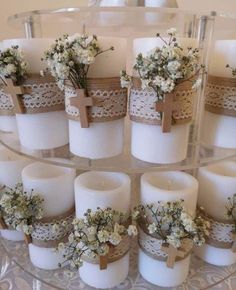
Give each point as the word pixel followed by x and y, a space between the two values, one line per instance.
pixel 130 23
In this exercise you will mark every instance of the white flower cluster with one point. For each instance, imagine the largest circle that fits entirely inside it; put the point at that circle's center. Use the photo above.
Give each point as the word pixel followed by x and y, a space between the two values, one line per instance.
pixel 20 209
pixel 164 68
pixel 12 64
pixel 95 233
pixel 231 210
pixel 170 222
pixel 69 59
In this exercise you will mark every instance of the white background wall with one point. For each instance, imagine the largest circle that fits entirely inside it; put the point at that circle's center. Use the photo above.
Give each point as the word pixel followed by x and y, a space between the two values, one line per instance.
pixel 9 7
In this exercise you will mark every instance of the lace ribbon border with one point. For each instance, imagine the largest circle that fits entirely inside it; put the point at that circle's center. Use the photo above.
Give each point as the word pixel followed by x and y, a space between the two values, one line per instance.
pixel 221 96
pixel 110 101
pixel 147 114
pixel 144 238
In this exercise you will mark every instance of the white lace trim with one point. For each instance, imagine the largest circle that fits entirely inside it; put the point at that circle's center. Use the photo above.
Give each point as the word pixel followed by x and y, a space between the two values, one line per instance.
pixel 46 231
pixel 118 252
pixel 153 245
pixel 221 232
pixel 142 104
pixel 5 101
pixel 108 104
pixel 42 95
pixel 221 96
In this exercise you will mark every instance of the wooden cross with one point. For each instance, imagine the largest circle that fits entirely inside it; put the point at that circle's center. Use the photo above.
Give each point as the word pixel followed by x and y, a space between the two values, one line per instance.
pixel 82 102
pixel 103 260
pixel 172 253
pixel 234 243
pixel 167 107
pixel 3 225
pixel 28 239
pixel 14 91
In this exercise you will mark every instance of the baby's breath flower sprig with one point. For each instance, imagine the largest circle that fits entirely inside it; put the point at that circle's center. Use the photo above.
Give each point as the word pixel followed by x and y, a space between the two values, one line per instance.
pixel 94 234
pixel 232 69
pixel 170 222
pixel 13 65
pixel 20 209
pixel 69 59
pixel 231 210
pixel 166 67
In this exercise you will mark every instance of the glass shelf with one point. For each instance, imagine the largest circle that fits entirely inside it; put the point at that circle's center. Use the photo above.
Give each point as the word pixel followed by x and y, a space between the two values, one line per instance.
pixel 201 275
pixel 198 155
pixel 110 21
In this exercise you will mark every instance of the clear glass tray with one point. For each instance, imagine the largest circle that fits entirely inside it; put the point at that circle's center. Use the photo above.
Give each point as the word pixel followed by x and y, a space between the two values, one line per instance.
pixel 198 155
pixel 201 275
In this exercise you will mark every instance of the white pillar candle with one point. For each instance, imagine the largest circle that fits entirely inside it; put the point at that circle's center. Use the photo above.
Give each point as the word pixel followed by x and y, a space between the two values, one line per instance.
pixel 109 63
pixel 32 49
pixel 167 186
pixel 51 128
pixel 103 189
pixel 55 185
pixel 101 139
pixel 219 130
pixel 148 142
pixel 11 166
pixel 216 184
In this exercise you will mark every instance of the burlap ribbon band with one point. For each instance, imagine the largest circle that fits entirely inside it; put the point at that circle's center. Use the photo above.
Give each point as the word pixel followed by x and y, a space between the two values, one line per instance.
pixel 115 253
pixel 222 233
pixel 156 248
pixel 36 95
pixel 221 96
pixel 6 104
pixel 42 236
pixel 176 108
pixel 103 101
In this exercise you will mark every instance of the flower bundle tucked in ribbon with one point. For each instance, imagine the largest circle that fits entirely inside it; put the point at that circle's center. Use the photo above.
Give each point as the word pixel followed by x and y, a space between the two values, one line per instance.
pixel 222 232
pixel 167 232
pixel 23 93
pixel 101 237
pixel 20 210
pixel 167 78
pixel 221 94
pixel 13 71
pixel 87 100
pixel 23 211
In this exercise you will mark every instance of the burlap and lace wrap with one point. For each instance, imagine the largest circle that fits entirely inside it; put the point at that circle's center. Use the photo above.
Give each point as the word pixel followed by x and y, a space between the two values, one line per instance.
pixel 142 104
pixel 152 246
pixel 50 231
pixel 6 103
pixel 222 233
pixel 115 254
pixel 221 96
pixel 109 100
pixel 40 95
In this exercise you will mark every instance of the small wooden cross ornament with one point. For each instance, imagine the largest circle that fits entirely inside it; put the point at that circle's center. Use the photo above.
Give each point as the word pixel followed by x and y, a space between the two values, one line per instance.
pixel 82 102
pixel 172 253
pixel 167 107
pixel 234 243
pixel 103 260
pixel 3 225
pixel 14 91
pixel 28 239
